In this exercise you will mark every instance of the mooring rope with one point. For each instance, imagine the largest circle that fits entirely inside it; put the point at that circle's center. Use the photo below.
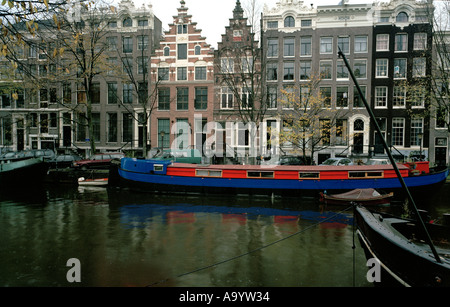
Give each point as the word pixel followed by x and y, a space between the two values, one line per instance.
pixel 252 251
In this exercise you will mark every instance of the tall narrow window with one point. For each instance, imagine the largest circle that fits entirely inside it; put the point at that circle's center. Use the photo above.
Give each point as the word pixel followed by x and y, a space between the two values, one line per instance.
pixel 398 131
pixel 182 52
pixel 182 98
pixel 401 42
pixel 289 46
pixel 272 47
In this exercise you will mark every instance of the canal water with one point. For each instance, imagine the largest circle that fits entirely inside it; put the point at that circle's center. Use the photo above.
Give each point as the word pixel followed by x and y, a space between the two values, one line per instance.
pixel 121 238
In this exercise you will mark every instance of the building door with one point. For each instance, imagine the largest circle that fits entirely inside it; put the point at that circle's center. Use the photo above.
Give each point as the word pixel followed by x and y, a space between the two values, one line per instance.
pixel 20 139
pixel 440 156
pixel 67 136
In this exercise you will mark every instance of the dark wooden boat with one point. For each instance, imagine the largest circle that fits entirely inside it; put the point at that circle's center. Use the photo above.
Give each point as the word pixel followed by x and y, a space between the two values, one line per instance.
pixel 413 252
pixel 367 197
pixel 19 173
pixel 401 249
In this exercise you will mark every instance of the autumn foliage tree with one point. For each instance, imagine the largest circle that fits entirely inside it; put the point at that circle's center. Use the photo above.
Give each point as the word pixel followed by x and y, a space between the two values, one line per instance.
pixel 310 122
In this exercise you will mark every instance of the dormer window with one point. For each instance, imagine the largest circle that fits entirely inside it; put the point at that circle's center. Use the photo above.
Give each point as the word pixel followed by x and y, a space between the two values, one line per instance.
pixel 127 22
pixel 289 22
pixel 402 17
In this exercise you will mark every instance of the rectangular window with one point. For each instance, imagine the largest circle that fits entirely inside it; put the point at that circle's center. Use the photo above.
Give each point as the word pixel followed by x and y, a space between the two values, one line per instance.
pixel 401 42
pixel 142 63
pixel 398 131
pixel 272 71
pixel 164 133
pixel 182 73
pixel 371 174
pixel 357 99
pixel 325 95
pixel 127 44
pixel 326 70
pixel 112 127
pixel 341 132
pixel 381 68
pixel 127 127
pixel 257 174
pixel 325 131
pixel 200 73
pixel 305 70
pixel 361 43
pixel 306 23
pixel 382 43
pixel 201 98
pixel 419 67
pixel 272 24
pixel 142 42
pixel 416 131
pixel 95 93
pixel 226 65
pixel 399 68
pixel 96 126
pixel 164 99
pixel 303 175
pixel 381 96
pixel 305 45
pixel 288 71
pixel 272 97
pixel 112 93
pixel 360 69
pixel 182 51
pixel 272 47
pixel 67 93
pixel 289 46
pixel 341 70
pixel 399 97
pixel 420 41
pixel 342 97
pixel 208 173
pixel 163 74
pixel 127 92
pixel 344 44
pixel 326 45
pixel 227 98
pixel 182 98
pixel 182 29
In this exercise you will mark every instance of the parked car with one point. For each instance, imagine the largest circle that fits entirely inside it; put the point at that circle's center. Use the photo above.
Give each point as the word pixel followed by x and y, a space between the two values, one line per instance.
pixel 9 155
pixel 291 160
pixel 98 161
pixel 46 154
pixel 63 161
pixel 337 161
pixel 378 161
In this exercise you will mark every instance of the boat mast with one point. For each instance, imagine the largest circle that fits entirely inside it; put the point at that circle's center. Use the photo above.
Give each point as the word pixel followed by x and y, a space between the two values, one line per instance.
pixel 391 158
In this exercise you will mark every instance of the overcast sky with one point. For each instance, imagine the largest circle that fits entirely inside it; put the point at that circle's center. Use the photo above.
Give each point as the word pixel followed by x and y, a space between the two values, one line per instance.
pixel 212 16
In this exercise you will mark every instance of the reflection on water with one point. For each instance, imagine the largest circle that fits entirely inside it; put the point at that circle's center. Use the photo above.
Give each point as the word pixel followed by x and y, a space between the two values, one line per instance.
pixel 128 239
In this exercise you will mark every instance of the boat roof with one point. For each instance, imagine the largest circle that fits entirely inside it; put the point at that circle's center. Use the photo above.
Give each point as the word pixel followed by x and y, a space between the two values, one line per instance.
pixel 303 168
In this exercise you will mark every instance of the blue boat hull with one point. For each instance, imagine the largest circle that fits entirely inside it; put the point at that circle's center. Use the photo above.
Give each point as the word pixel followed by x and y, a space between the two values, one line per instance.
pixel 165 183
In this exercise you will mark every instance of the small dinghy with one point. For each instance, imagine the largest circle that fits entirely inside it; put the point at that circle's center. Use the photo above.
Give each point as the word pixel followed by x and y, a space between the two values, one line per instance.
pixel 99 182
pixel 361 196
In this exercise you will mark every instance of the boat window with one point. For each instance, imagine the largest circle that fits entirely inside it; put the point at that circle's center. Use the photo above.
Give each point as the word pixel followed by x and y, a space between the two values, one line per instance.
pixel 309 175
pixel 253 174
pixel 208 173
pixel 375 174
pixel 158 167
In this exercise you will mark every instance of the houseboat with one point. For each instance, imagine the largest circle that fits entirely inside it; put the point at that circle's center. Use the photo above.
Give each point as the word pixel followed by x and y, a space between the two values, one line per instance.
pixel 167 176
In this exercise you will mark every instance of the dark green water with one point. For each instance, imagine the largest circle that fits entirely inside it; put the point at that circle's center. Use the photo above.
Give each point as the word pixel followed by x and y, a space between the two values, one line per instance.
pixel 126 239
